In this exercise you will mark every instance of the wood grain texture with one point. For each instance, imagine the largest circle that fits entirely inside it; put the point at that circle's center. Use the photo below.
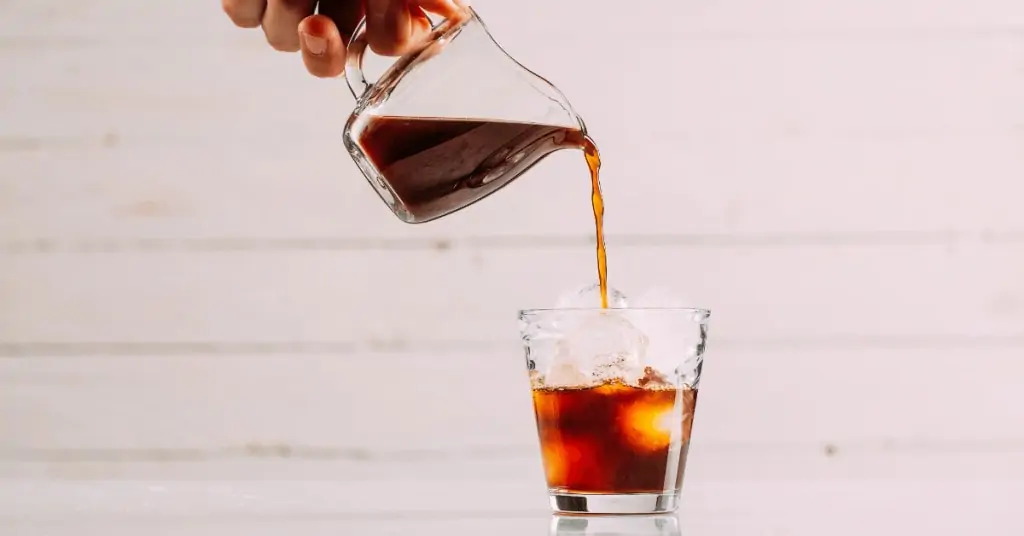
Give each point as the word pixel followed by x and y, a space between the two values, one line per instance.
pixel 105 21
pixel 438 407
pixel 761 136
pixel 715 89
pixel 195 281
pixel 950 294
pixel 865 190
pixel 717 462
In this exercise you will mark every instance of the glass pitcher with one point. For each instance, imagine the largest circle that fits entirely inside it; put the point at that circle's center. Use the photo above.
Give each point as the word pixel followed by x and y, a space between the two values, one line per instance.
pixel 452 121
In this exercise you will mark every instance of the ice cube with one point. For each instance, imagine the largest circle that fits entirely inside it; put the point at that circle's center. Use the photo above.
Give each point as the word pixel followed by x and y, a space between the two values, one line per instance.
pixel 622 367
pixel 566 374
pixel 536 379
pixel 590 296
pixel 564 368
pixel 672 339
pixel 607 346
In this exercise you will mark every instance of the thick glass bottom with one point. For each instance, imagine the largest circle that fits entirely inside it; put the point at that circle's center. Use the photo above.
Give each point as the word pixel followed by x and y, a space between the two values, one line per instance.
pixel 614 504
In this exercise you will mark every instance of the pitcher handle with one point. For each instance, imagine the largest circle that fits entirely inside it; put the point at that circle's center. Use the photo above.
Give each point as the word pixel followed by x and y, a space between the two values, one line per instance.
pixel 357 82
pixel 354 62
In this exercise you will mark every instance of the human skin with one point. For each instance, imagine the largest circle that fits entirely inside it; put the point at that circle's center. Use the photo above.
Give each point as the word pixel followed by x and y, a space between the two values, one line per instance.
pixel 320 29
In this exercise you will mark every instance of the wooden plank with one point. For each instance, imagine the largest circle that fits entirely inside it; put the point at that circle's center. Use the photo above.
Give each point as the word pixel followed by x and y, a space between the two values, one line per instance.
pixel 807 406
pixel 500 508
pixel 744 17
pixel 779 138
pixel 722 90
pixel 98 20
pixel 891 294
pixel 712 461
pixel 868 191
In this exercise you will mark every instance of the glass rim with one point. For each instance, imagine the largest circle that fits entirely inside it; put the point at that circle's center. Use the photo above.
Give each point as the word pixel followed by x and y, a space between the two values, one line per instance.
pixel 545 310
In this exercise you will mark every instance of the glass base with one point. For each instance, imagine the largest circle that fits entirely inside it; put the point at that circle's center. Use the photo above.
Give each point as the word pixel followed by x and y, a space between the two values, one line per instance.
pixel 622 504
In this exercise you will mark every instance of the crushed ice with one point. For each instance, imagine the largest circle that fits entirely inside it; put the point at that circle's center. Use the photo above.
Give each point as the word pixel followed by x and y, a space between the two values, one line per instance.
pixel 667 338
pixel 607 345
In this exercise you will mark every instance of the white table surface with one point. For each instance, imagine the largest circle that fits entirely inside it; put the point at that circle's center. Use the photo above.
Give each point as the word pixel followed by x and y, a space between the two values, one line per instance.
pixel 506 506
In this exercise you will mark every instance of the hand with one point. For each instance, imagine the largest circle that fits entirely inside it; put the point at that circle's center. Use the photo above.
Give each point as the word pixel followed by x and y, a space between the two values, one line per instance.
pixel 392 26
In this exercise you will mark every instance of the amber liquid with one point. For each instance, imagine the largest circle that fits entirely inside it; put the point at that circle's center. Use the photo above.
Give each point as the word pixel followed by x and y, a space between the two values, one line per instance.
pixel 436 166
pixel 597 201
pixel 614 438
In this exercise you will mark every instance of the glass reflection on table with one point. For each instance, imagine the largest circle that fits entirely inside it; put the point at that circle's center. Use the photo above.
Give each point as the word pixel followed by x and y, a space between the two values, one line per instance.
pixel 660 525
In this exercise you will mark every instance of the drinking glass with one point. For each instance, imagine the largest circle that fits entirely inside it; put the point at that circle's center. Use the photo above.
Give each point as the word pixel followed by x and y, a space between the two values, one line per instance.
pixel 614 394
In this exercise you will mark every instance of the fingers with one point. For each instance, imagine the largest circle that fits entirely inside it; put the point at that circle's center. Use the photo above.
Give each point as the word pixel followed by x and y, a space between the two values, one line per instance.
pixel 323 51
pixel 244 13
pixel 444 8
pixel 346 15
pixel 394 26
pixel 281 22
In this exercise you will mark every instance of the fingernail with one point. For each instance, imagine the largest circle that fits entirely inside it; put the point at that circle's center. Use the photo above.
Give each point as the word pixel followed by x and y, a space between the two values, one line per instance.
pixel 313 44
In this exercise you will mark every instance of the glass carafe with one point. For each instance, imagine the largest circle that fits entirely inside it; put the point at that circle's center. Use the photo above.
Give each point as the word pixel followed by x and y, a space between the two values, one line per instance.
pixel 452 121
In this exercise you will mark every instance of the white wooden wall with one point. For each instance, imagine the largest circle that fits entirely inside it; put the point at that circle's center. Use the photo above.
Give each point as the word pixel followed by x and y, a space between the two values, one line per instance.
pixel 195 281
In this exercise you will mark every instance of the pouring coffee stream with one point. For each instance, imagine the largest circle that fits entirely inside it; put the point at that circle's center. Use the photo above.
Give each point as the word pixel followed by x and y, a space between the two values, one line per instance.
pixel 457 119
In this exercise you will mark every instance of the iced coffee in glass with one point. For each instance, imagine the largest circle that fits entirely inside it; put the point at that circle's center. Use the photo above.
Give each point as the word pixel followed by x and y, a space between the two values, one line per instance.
pixel 614 394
